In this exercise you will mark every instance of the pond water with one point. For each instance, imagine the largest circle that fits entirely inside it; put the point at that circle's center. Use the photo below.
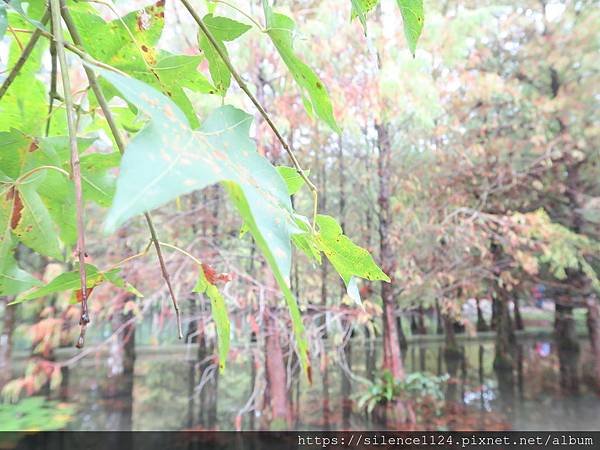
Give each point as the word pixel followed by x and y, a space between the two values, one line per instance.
pixel 169 390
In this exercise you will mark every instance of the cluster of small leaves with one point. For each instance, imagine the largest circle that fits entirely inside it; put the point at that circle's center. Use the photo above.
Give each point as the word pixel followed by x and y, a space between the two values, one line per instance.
pixel 413 16
pixel 171 155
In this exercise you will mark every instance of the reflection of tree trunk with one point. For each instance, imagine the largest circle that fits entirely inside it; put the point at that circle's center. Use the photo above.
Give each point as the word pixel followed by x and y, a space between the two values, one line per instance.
pixel 6 343
pixel 191 386
pixel 276 375
pixel 453 361
pixel 122 365
pixel 451 345
pixel 568 348
pixel 593 323
pixel 481 378
pixel 346 386
pixel 325 403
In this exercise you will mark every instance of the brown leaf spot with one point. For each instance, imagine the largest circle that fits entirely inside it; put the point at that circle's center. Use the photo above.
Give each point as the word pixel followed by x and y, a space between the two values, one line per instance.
pixel 33 146
pixel 17 208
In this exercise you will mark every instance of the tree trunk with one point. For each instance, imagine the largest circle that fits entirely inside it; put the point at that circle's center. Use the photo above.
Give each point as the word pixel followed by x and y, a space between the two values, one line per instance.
pixel 518 318
pixel 504 332
pixel 392 359
pixel 593 323
pixel 6 343
pixel 481 324
pixel 276 376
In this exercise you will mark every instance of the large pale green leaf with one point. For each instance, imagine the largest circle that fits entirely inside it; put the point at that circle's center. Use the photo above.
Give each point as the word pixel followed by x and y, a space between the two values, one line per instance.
pixel 348 259
pixel 413 16
pixel 168 159
pixel 129 44
pixel 219 314
pixel 223 30
pixel 281 29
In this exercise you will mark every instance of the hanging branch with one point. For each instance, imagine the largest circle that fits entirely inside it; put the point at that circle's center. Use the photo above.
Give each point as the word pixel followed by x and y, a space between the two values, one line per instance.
pixel 93 81
pixel 53 94
pixel 35 36
pixel 257 104
pixel 75 165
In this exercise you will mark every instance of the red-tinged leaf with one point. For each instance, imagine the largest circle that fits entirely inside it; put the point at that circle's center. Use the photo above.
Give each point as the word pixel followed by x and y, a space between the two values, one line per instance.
pixel 213 277
pixel 17 207
pixel 79 294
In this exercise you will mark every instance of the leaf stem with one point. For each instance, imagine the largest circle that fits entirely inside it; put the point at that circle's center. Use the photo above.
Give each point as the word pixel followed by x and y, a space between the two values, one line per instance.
pixel 241 83
pixel 35 36
pixel 182 251
pixel 38 168
pixel 93 81
pixel 241 11
pixel 55 8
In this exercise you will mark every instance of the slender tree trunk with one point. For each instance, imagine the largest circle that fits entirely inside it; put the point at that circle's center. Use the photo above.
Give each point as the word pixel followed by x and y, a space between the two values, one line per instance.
pixel 439 329
pixel 6 342
pixel 276 376
pixel 503 359
pixel 593 323
pixel 392 359
pixel 518 319
pixel 481 324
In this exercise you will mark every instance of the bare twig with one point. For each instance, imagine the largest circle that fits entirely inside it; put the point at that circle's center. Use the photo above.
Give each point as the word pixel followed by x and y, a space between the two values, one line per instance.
pixel 35 36
pixel 75 165
pixel 53 93
pixel 242 84
pixel 93 81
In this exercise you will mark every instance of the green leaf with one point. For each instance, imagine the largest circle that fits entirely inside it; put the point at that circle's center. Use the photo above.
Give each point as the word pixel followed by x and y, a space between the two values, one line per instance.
pixel 292 178
pixel 129 44
pixel 71 281
pixel 98 181
pixel 114 278
pixel 413 16
pixel 281 29
pixel 13 279
pixel 360 9
pixel 348 259
pixel 68 281
pixel 222 29
pixel 219 314
pixel 3 20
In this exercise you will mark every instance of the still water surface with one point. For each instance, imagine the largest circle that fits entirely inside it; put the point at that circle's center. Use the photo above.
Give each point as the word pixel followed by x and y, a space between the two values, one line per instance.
pixel 168 391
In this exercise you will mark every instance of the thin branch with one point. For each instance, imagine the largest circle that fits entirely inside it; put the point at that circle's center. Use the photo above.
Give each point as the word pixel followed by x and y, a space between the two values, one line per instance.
pixel 165 274
pixel 93 81
pixel 35 36
pixel 257 104
pixel 52 96
pixel 75 165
